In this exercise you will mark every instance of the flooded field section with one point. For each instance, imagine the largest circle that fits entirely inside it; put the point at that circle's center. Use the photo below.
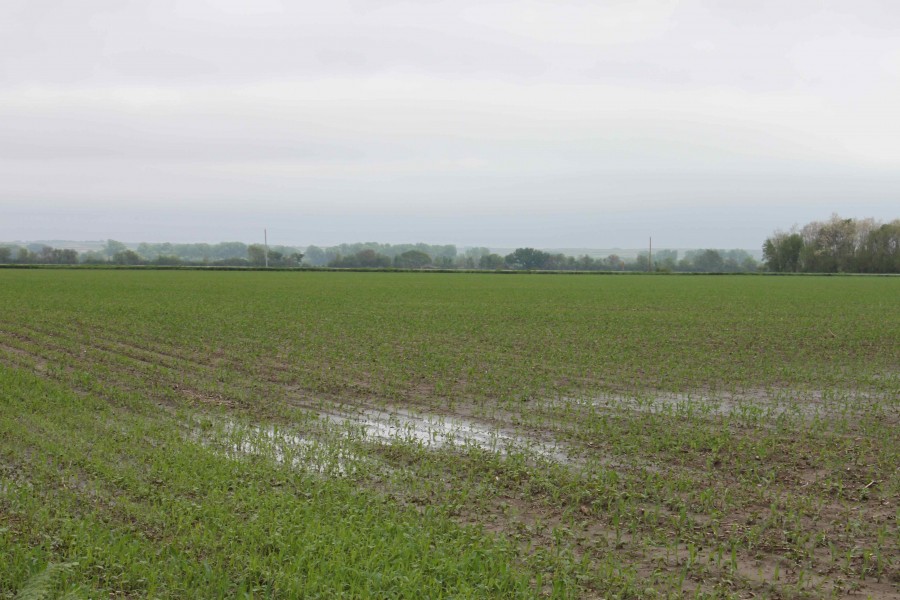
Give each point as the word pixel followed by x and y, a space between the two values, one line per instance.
pixel 330 451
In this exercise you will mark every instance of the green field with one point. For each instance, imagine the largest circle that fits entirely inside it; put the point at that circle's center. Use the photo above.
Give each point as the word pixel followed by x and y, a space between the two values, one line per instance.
pixel 386 435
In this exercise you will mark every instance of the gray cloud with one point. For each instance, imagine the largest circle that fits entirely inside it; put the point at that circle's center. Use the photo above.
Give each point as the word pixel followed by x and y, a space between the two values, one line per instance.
pixel 446 118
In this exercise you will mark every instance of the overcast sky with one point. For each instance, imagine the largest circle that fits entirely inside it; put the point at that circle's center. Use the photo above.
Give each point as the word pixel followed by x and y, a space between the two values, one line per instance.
pixel 549 124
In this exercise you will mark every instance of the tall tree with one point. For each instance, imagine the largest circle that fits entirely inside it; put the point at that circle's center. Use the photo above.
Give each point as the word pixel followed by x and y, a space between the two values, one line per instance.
pixel 412 259
pixel 113 247
pixel 527 259
pixel 781 252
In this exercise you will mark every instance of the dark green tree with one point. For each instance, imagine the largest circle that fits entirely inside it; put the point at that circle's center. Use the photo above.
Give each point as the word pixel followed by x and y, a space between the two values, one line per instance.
pixel 527 259
pixel 412 259
pixel 781 252
pixel 709 261
pixel 491 261
pixel 127 257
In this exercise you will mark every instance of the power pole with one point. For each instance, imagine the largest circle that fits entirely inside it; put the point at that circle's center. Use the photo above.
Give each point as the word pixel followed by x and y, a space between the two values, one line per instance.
pixel 266 241
pixel 650 257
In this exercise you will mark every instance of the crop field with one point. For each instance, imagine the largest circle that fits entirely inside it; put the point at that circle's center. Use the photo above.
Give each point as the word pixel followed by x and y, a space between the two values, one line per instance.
pixel 411 435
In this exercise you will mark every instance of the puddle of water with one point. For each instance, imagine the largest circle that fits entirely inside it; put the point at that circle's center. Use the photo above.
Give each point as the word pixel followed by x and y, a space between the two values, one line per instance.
pixel 433 431
pixel 287 448
pixel 753 406
pixel 398 425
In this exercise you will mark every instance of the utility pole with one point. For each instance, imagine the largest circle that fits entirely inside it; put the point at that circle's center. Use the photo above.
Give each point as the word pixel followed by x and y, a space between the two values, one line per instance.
pixel 266 241
pixel 650 257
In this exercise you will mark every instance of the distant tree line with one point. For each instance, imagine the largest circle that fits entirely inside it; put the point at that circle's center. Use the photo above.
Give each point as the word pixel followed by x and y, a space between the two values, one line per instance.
pixel 374 255
pixel 37 254
pixel 117 253
pixel 530 259
pixel 835 246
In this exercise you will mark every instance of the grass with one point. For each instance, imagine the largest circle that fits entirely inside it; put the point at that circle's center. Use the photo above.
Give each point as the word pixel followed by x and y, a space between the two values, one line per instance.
pixel 172 433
